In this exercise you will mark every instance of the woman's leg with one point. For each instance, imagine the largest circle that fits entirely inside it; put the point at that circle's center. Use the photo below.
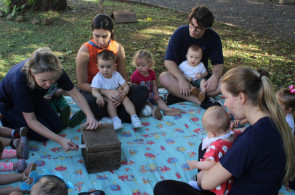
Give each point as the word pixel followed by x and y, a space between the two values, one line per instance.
pixel 96 110
pixel 172 187
pixel 138 95
pixel 44 113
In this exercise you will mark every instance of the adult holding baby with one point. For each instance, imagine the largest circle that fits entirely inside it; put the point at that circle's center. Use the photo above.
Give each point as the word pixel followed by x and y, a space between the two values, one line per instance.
pixel 22 102
pixel 261 158
pixel 197 32
pixel 86 66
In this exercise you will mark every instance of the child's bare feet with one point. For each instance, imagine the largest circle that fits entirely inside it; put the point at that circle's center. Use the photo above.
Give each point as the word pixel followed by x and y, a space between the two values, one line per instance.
pixel 21 145
pixel 173 112
pixel 196 92
pixel 20 165
pixel 157 113
pixel 26 173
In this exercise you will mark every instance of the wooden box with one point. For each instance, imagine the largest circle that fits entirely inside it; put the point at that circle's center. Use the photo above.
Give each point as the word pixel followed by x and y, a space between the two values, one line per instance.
pixel 103 149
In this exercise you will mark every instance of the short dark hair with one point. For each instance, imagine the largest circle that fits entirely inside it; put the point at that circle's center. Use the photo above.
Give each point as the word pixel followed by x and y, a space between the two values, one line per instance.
pixel 49 185
pixel 102 21
pixel 106 55
pixel 202 15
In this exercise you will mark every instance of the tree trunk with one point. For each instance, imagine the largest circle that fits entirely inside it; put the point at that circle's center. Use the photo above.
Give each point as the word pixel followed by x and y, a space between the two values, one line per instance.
pixel 45 5
pixel 100 9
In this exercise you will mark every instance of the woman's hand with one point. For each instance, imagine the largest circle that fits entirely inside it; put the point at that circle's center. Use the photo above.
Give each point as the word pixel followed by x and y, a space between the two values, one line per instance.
pixel 68 145
pixel 91 124
pixel 115 96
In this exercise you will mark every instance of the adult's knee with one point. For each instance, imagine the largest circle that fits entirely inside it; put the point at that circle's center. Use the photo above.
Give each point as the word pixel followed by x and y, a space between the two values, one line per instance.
pixel 164 78
pixel 162 188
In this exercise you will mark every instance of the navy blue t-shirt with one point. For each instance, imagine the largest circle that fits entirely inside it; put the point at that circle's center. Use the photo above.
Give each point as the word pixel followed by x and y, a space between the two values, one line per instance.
pixel 256 160
pixel 181 40
pixel 15 92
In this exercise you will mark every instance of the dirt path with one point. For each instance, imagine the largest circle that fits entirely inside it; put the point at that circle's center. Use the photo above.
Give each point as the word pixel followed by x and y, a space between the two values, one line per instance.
pixel 261 16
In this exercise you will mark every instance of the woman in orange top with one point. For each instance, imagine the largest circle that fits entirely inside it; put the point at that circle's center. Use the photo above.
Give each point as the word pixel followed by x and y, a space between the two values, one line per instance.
pixel 103 38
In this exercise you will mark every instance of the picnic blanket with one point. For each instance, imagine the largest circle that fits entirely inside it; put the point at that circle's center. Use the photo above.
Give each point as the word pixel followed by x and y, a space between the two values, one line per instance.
pixel 157 151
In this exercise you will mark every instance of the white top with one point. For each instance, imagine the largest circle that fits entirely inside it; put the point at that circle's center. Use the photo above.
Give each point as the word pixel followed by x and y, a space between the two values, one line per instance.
pixel 100 82
pixel 191 71
pixel 290 121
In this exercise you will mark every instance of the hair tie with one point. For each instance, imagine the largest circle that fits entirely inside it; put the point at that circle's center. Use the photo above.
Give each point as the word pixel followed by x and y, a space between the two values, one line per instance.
pixel 260 76
pixel 292 89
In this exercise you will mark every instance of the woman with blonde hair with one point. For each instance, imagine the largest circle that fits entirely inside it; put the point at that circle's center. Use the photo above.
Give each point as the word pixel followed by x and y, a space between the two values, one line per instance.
pixel 262 157
pixel 22 102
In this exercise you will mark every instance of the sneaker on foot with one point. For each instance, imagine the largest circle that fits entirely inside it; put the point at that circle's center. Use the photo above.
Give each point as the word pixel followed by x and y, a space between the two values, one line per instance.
pixel 117 124
pixel 19 132
pixel 209 102
pixel 136 123
pixel 76 119
pixel 65 115
pixel 106 121
pixel 157 113
pixel 146 111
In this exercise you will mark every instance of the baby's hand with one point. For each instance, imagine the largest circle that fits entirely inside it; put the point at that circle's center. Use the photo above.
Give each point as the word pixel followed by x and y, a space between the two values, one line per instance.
pixel 198 76
pixel 192 164
pixel 100 102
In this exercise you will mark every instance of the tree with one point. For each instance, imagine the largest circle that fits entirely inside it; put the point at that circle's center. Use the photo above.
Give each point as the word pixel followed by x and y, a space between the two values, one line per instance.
pixel 39 5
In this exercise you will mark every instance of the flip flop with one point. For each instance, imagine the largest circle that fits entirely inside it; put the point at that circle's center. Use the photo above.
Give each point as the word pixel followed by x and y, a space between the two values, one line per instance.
pixel 96 192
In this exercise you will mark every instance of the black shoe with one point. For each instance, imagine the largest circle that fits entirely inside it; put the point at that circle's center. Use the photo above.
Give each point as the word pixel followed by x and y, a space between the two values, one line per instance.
pixel 171 99
pixel 209 102
pixel 96 192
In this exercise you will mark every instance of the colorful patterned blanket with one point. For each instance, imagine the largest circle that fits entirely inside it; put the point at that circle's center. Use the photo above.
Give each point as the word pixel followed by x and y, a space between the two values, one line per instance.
pixel 150 154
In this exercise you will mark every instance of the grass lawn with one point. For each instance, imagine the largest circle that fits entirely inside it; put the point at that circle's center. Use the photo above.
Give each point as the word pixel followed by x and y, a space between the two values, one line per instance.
pixel 155 25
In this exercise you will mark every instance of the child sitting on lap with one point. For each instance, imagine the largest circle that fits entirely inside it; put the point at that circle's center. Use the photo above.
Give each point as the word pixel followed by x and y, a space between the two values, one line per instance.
pixel 144 75
pixel 216 123
pixel 194 71
pixel 108 78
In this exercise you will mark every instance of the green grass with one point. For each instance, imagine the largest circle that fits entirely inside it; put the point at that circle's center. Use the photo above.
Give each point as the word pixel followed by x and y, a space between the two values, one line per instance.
pixel 153 30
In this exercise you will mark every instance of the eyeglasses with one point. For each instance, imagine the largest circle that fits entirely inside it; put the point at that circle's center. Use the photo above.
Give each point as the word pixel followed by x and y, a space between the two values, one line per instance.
pixel 196 28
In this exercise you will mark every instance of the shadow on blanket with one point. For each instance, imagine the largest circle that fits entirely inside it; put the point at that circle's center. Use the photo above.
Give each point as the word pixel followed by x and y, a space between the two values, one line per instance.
pixel 155 152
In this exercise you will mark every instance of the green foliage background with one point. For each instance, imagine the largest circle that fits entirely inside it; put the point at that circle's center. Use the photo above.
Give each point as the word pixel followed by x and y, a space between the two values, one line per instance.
pixel 155 25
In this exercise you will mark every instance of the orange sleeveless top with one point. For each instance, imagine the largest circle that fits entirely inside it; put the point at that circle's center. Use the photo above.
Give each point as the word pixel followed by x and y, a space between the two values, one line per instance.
pixel 93 50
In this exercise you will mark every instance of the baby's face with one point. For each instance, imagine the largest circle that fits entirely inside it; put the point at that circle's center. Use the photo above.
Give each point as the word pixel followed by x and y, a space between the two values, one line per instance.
pixel 106 67
pixel 193 57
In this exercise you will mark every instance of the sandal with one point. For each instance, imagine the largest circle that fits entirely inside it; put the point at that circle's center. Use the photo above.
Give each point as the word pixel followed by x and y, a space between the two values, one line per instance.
pixel 27 172
pixel 96 192
pixel 196 92
pixel 21 165
pixel 157 113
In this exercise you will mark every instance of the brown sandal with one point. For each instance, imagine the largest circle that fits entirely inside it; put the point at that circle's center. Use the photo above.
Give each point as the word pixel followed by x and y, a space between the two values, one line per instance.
pixel 26 174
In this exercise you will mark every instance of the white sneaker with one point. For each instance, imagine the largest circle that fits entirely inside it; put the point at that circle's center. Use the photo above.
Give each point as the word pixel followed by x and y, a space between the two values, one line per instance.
pixel 106 121
pixel 117 124
pixel 136 123
pixel 146 111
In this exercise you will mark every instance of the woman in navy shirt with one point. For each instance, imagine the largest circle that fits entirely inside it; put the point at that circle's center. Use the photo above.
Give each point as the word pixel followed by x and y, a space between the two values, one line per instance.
pixel 262 157
pixel 22 100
